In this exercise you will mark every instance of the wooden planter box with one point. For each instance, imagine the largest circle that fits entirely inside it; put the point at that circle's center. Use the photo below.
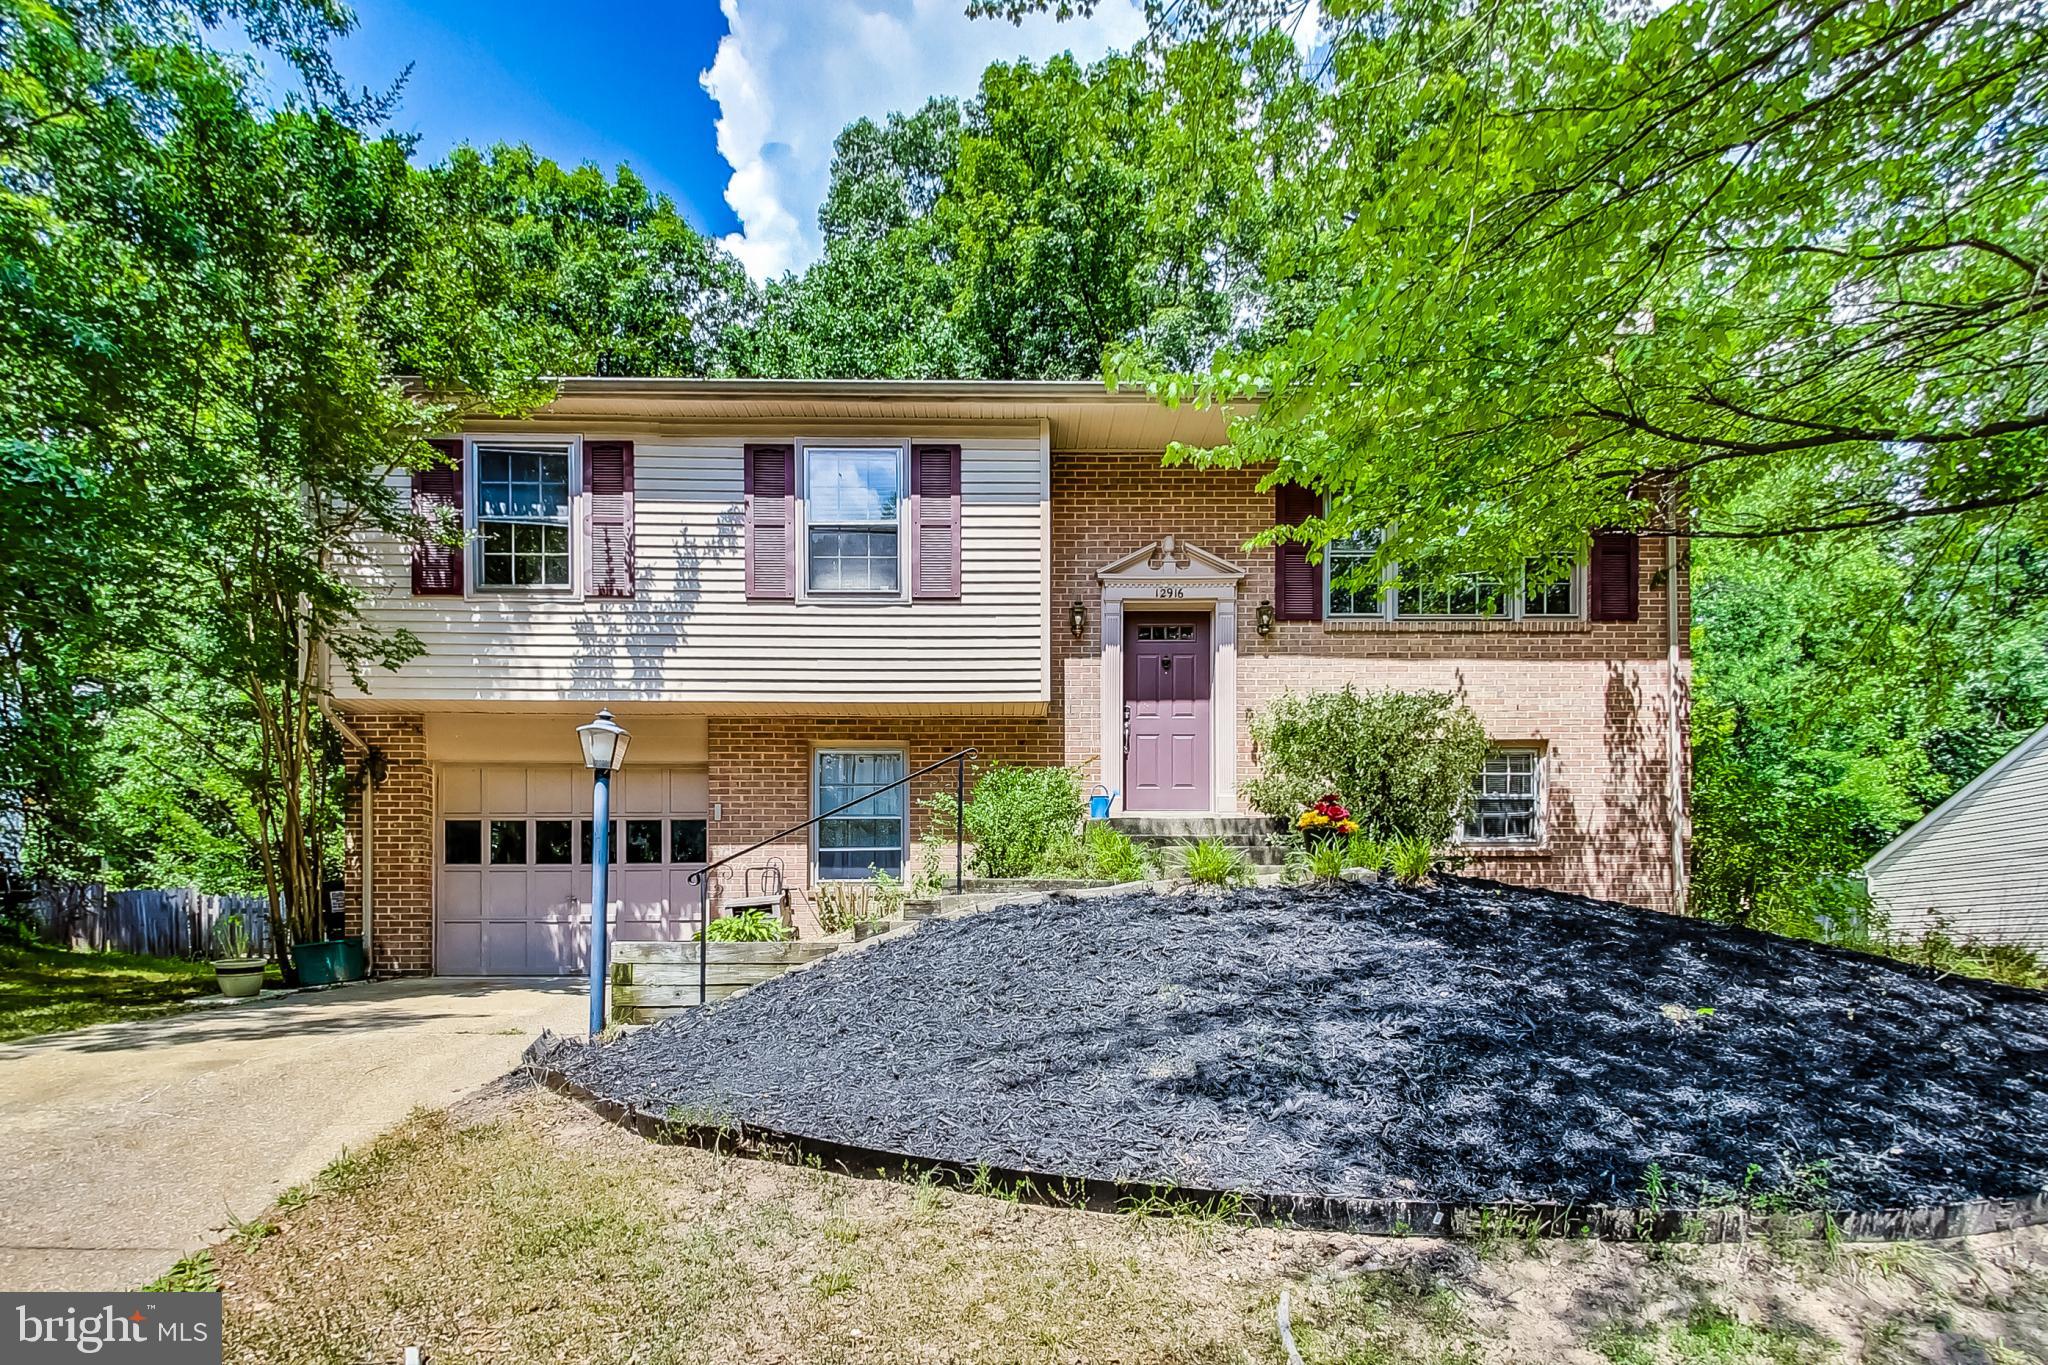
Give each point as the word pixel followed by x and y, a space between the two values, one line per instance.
pixel 651 981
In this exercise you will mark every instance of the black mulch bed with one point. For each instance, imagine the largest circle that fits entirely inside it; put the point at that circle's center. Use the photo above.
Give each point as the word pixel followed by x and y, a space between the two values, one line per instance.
pixel 1471 1042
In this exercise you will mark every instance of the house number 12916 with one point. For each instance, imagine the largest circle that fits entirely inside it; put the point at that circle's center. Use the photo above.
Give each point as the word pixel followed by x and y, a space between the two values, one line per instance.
pixel 1170 590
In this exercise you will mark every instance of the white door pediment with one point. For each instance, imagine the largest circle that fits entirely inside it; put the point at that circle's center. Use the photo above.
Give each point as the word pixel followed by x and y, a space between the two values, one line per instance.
pixel 1169 559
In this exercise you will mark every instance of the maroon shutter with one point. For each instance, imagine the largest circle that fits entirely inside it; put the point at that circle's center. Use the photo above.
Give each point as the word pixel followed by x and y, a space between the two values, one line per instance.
pixel 1297 584
pixel 608 516
pixel 1611 576
pixel 935 522
pixel 771 521
pixel 437 567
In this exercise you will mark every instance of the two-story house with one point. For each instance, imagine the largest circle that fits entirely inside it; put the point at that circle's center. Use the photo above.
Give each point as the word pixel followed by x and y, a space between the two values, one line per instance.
pixel 790 591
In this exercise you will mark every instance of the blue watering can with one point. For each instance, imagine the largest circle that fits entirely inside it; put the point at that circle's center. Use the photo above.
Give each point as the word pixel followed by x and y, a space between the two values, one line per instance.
pixel 1099 803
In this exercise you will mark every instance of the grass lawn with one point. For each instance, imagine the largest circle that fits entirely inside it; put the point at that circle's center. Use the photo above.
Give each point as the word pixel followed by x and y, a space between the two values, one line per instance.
pixel 44 990
pixel 521 1228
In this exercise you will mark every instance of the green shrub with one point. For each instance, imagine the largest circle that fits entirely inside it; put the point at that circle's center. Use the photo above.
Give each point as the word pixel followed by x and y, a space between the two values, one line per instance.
pixel 886 892
pixel 1326 860
pixel 1404 762
pixel 747 926
pixel 1110 855
pixel 1022 819
pixel 1411 859
pixel 1362 850
pixel 1213 863
pixel 935 847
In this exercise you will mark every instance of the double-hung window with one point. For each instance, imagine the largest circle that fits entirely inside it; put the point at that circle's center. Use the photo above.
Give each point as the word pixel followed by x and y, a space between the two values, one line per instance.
pixel 522 515
pixel 1434 592
pixel 1550 587
pixel 853 511
pixel 1507 799
pixel 869 835
pixel 1344 558
pixel 1546 590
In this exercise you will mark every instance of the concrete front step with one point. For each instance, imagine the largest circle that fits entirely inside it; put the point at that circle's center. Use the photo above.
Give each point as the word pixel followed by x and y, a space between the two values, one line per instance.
pixel 1234 829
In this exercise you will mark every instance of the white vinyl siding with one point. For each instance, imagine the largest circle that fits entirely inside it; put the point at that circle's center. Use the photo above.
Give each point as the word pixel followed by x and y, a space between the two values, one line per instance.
pixel 1980 869
pixel 689 635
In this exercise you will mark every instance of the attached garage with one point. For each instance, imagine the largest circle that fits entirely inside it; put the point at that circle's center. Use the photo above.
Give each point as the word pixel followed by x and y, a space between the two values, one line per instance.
pixel 512 864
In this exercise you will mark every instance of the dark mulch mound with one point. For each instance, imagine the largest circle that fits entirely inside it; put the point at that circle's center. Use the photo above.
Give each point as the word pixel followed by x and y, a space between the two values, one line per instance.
pixel 1469 1042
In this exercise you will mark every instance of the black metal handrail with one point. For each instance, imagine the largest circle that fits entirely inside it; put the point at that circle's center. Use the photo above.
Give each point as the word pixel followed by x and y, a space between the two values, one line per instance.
pixel 702 876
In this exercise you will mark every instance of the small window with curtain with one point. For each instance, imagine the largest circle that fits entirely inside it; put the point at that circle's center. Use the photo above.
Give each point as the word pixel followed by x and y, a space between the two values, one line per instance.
pixel 522 515
pixel 1507 799
pixel 853 501
pixel 869 835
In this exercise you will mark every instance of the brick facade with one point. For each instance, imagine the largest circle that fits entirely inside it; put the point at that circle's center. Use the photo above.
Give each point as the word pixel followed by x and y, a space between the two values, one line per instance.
pixel 761 779
pixel 402 859
pixel 1596 698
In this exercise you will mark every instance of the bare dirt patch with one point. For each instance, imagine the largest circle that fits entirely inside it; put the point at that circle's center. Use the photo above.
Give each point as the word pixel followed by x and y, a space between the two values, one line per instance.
pixel 521 1228
pixel 1471 1042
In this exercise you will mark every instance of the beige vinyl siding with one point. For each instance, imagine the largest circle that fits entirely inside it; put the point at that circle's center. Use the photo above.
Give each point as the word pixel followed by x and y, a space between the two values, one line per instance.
pixel 690 636
pixel 1980 868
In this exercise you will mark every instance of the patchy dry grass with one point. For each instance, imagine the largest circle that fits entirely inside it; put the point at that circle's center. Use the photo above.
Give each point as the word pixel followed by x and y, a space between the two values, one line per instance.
pixel 520 1228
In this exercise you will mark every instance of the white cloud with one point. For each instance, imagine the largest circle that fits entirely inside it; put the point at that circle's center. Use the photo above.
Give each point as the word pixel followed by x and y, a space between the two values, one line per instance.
pixel 789 74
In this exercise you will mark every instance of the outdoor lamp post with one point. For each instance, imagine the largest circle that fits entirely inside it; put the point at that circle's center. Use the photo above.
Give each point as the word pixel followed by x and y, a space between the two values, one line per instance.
pixel 604 749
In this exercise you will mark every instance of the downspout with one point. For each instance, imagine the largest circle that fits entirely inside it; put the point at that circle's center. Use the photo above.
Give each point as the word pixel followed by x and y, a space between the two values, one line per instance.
pixel 349 736
pixel 1674 730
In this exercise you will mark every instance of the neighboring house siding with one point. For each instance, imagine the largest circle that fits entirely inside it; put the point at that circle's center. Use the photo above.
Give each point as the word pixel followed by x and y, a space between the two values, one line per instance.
pixel 1979 869
pixel 689 635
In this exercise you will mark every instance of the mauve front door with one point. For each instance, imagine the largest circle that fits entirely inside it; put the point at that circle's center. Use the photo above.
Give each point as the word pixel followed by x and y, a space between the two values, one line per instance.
pixel 1166 711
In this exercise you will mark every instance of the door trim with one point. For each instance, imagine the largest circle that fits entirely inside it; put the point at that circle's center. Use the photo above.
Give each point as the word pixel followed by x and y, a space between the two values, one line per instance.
pixel 1171 575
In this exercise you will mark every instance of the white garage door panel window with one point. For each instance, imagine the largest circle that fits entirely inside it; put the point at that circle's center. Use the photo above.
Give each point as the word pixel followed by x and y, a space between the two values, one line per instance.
pixel 512 865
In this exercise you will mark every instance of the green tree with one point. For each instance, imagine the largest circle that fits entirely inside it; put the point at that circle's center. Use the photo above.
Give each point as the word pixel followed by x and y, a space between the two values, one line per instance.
pixel 1063 212
pixel 1842 690
pixel 210 304
pixel 1727 269
pixel 593 276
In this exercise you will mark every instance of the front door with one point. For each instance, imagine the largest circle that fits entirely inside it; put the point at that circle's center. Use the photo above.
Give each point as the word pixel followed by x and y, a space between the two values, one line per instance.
pixel 1166 713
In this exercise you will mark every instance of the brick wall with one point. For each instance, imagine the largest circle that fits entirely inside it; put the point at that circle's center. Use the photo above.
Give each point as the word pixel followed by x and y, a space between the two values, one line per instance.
pixel 1593 696
pixel 402 861
pixel 761 778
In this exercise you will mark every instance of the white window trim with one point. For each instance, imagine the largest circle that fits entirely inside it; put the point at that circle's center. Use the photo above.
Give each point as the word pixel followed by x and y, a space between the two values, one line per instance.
pixel 804 594
pixel 473 587
pixel 1516 603
pixel 818 751
pixel 1540 827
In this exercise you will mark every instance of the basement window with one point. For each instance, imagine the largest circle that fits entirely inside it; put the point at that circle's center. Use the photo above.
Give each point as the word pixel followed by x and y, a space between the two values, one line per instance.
pixel 1507 799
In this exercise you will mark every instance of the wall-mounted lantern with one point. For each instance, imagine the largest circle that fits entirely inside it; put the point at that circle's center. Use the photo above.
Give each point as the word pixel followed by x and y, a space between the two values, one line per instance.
pixel 1077 619
pixel 1265 619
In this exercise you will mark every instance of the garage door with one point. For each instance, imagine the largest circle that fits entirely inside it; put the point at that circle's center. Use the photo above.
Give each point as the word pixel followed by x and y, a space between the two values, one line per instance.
pixel 512 866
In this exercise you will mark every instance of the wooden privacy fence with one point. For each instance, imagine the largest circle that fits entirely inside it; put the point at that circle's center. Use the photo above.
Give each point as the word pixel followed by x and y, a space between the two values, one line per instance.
pixel 177 923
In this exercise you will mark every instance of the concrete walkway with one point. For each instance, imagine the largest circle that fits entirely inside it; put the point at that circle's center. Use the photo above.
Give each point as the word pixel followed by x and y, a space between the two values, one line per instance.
pixel 125 1146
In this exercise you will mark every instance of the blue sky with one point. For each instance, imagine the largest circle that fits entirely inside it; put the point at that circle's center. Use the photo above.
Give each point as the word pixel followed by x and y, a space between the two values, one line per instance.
pixel 729 106
pixel 603 82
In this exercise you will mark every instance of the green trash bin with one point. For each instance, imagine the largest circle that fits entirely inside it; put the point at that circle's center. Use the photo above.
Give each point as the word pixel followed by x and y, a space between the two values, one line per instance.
pixel 330 961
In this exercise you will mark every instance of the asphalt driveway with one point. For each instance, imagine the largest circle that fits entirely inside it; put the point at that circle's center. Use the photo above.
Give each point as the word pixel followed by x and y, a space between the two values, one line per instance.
pixel 127 1145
